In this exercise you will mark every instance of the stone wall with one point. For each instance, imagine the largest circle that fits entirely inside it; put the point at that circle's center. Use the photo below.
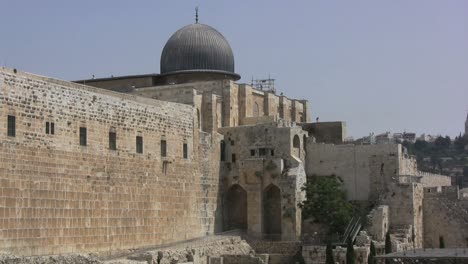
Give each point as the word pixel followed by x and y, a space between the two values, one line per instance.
pixel 317 254
pixel 260 159
pixel 444 216
pixel 198 251
pixel 57 196
pixel 378 223
pixel 366 170
pixel 327 132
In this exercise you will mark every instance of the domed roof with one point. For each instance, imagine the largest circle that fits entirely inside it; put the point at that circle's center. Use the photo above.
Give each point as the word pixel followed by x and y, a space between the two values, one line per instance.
pixel 197 48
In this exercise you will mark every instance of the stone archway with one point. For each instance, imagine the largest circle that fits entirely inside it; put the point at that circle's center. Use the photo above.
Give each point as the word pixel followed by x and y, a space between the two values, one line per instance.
pixel 297 146
pixel 272 212
pixel 235 208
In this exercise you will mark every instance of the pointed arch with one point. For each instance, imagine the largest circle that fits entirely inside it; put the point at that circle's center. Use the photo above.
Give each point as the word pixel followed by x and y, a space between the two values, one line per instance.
pixel 272 211
pixel 235 208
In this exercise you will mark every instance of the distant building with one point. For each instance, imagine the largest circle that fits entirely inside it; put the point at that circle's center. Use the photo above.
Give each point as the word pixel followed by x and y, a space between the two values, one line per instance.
pixel 384 138
pixel 410 137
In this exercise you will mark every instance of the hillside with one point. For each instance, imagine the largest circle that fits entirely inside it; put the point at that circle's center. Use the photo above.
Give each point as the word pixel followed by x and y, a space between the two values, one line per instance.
pixel 444 156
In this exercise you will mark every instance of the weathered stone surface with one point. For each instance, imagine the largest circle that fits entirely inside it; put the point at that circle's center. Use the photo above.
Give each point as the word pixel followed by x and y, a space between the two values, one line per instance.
pixel 66 259
pixel 60 197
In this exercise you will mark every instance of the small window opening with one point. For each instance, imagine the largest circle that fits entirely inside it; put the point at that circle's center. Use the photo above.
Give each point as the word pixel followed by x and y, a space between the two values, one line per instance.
pixel 252 152
pixel 223 150
pixel 272 152
pixel 83 136
pixel 11 126
pixel 185 150
pixel 262 151
pixel 233 158
pixel 50 128
pixel 139 144
pixel 232 142
pixel 112 141
pixel 163 148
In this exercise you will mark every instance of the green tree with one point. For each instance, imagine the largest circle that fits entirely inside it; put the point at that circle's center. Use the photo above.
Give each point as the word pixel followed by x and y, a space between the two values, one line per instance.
pixel 460 142
pixel 350 255
pixel 372 253
pixel 441 242
pixel 388 244
pixel 329 254
pixel 326 203
pixel 420 145
pixel 442 143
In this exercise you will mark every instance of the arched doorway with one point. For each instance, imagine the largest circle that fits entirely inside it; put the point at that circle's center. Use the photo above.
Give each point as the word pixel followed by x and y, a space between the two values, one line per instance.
pixel 272 212
pixel 235 208
pixel 297 146
pixel 256 110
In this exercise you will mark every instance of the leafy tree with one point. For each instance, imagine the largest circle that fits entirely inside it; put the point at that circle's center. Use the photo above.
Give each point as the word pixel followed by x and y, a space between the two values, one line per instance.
pixel 442 143
pixel 388 244
pixel 460 142
pixel 372 253
pixel 350 255
pixel 441 242
pixel 326 203
pixel 420 145
pixel 329 254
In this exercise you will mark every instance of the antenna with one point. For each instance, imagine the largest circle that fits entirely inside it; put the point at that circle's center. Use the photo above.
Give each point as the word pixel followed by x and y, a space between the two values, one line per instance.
pixel 196 15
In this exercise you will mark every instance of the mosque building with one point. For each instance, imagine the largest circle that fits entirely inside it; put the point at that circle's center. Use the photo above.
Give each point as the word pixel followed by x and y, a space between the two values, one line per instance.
pixel 111 164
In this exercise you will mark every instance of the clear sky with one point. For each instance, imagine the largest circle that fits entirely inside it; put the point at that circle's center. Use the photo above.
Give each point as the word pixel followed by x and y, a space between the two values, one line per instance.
pixel 378 65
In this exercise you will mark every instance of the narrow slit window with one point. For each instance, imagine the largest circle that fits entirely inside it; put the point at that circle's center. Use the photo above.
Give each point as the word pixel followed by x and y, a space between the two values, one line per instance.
pixel 252 152
pixel 47 128
pixel 223 150
pixel 11 126
pixel 112 141
pixel 83 136
pixel 185 150
pixel 163 148
pixel 139 144
pixel 233 158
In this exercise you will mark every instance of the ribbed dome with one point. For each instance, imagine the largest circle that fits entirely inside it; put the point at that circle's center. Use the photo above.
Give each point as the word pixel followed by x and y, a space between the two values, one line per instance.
pixel 197 48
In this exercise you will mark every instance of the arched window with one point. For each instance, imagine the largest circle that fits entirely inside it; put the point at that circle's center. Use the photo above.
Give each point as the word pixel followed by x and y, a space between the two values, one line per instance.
pixel 272 212
pixel 255 110
pixel 296 142
pixel 235 209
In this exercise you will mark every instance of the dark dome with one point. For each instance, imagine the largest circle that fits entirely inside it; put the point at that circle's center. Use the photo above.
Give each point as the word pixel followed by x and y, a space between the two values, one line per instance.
pixel 197 48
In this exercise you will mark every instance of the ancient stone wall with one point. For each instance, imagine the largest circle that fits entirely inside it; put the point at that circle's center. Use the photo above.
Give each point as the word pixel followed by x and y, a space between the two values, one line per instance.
pixel 262 165
pixel 366 170
pixel 446 217
pixel 378 223
pixel 57 196
pixel 327 132
pixel 316 254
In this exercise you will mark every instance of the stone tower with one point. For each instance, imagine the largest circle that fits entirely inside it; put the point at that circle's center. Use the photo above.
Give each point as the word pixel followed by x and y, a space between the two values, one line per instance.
pixel 466 125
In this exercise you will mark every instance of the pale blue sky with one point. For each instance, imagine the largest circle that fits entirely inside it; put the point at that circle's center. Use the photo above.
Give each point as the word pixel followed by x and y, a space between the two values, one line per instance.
pixel 378 65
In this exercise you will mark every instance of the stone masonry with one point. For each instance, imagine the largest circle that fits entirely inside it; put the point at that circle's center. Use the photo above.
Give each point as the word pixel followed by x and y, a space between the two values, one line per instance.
pixel 57 196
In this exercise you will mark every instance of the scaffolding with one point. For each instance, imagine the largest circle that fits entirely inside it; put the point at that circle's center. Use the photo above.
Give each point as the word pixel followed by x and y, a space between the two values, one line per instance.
pixel 267 85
